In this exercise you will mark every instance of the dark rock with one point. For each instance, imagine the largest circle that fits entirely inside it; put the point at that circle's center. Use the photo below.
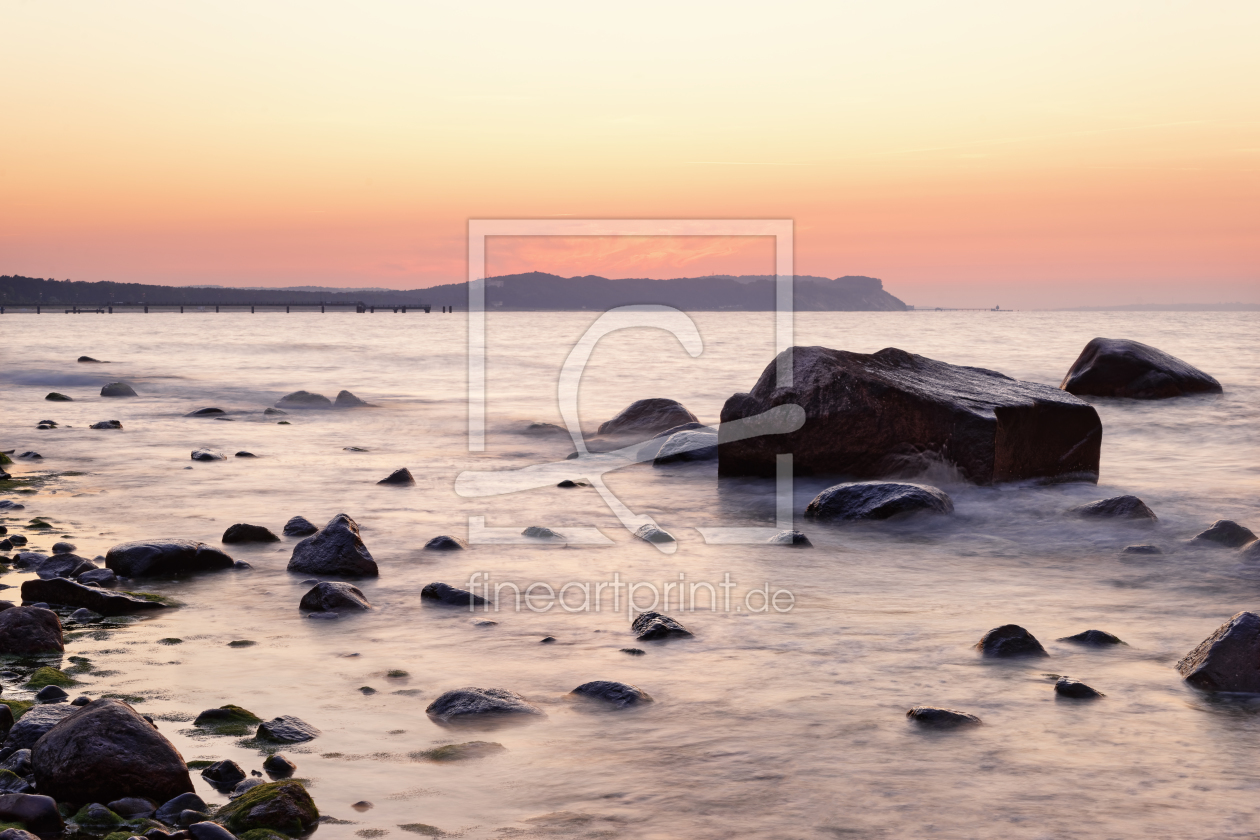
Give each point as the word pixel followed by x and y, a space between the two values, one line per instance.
pixel 895 413
pixel 244 785
pixel 64 566
pixel 1251 551
pixel 34 725
pixel 1076 690
pixel 540 428
pixel 99 577
pixel 64 548
pixel 1117 507
pixel 634 651
pixel 32 455
pixel 273 411
pixel 29 559
pixel 189 816
pixel 941 718
pixel 17 834
pixel 51 694
pixel 304 399
pixel 650 626
pixel 795 539
pixel 228 720
pixel 547 640
pixel 90 359
pixel 30 630
pixel 244 454
pixel 286 729
pixel 450 752
pixel 336 549
pixel 445 543
pixel 35 811
pixel 278 765
pixel 81 700
pixel 169 811
pixel 680 447
pixel 74 594
pixel 1093 638
pixel 1010 640
pixel 647 417
pixel 209 831
pixel 1117 367
pixel 118 389
pixel 206 412
pixel 463 703
pixel 204 454
pixel 328 596
pixel 1226 533
pixel 1227 660
pixel 283 806
pixel 345 399
pixel 617 694
pixel 19 763
pixel 241 533
pixel 446 594
pixel 538 532
pixel 1142 549
pixel 355 449
pixel 299 526
pixel 107 751
pixel 568 482
pixel 402 475
pixel 58 397
pixel 872 500
pixel 6 719
pixel 223 773
pixel 13 783
pixel 652 534
pixel 133 806
pixel 107 424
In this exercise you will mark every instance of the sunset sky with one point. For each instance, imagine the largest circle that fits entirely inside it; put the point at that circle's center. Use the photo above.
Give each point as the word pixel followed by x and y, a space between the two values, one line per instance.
pixel 971 153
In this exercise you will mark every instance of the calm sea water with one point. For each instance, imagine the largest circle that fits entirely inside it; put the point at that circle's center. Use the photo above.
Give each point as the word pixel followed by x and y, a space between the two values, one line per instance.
pixel 775 725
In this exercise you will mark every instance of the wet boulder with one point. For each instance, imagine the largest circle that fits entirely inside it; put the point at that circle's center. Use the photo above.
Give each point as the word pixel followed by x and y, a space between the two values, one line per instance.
pixel 446 542
pixel 35 811
pixel 472 703
pixel 1117 507
pixel 118 389
pixel 1227 660
pixel 34 725
pixel 336 549
pixel 647 417
pixel 242 533
pixel 874 500
pixel 299 526
pixel 941 718
pixel 444 593
pixel 1225 533
pixel 1144 548
pixel 894 413
pixel 286 729
pixel 1094 638
pixel 164 557
pixel 71 593
pixel 615 694
pixel 540 532
pixel 329 596
pixel 283 806
pixel 652 626
pixel 793 539
pixel 65 566
pixel 345 399
pixel 26 630
pixel 1075 690
pixel 133 806
pixel 682 447
pixel 206 454
pixel 107 751
pixel 401 476
pixel 224 773
pixel 304 399
pixel 207 830
pixel 64 548
pixel 97 577
pixel 1009 641
pixel 1117 367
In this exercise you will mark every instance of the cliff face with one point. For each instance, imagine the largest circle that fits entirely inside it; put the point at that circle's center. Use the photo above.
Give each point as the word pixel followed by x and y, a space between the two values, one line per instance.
pixel 532 291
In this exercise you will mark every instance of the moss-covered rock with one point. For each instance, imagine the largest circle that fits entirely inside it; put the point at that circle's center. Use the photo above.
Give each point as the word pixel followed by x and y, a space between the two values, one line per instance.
pixel 50 676
pixel 228 720
pixel 263 834
pixel 119 835
pixel 460 752
pixel 281 806
pixel 97 816
pixel 18 707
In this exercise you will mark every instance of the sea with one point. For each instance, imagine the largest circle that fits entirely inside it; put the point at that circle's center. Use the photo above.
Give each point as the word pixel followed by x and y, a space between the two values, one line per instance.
pixel 784 716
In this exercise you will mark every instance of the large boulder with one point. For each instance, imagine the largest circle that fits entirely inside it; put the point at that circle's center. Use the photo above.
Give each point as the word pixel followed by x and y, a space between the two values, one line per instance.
pixel 873 500
pixel 894 413
pixel 1117 507
pixel 472 703
pixel 1225 533
pixel 283 806
pixel 304 399
pixel 1227 660
pixel 335 549
pixel 71 593
pixel 164 557
pixel 34 725
pixel 1117 367
pixel 695 445
pixel 107 751
pixel 647 417
pixel 25 630
pixel 329 596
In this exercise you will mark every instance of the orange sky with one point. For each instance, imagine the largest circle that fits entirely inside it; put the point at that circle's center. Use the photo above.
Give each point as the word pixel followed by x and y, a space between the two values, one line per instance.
pixel 968 154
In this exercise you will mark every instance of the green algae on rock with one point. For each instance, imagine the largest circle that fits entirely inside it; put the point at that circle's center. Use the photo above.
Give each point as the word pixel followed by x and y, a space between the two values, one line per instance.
pixel 281 806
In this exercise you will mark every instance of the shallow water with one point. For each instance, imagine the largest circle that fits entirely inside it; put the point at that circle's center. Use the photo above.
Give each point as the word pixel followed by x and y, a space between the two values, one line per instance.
pixel 776 724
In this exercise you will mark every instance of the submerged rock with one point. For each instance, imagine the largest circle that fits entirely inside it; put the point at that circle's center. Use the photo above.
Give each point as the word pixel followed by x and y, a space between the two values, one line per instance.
pixel 1010 640
pixel 133 806
pixel 1226 533
pixel 228 720
pixel 402 475
pixel 65 566
pixel 1117 507
pixel 118 389
pixel 1251 551
pixel 1075 690
pixel 107 424
pixel 27 630
pixel 74 594
pixel 570 483
pixel 1227 660
pixel 329 596
pixel 648 417
pixel 164 557
pixel 873 500
pixel 1094 638
pixel 457 752
pixel 463 703
pixel 444 593
pixel 286 729
pixel 653 534
pixel 794 539
pixel 207 830
pixel 445 543
pixel 242 533
pixel 244 454
pixel 895 413
pixel 299 526
pixel 91 360
pixel 206 412
pixel 283 806
pixel 651 626
pixel 58 397
pixel 617 694
pixel 538 532
pixel 336 549
pixel 941 718
pixel 51 694
pixel 64 548
pixel 1142 549
pixel 98 577
pixel 1117 367
pixel 345 399
pixel 204 454
pixel 304 399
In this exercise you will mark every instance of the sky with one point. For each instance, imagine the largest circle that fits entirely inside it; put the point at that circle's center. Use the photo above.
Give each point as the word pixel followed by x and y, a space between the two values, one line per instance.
pixel 969 154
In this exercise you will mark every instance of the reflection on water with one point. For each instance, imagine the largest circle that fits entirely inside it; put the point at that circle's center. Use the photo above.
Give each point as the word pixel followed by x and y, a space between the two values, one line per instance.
pixel 777 725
